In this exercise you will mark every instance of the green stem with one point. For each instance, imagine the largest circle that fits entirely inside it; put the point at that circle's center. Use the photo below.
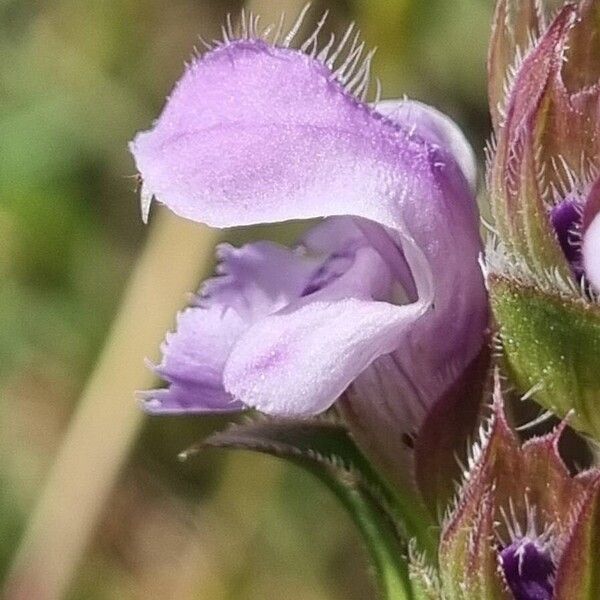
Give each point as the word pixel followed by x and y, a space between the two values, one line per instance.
pixel 387 552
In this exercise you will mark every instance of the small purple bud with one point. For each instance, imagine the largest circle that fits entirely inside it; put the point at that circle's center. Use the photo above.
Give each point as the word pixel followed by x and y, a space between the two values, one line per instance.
pixel 548 547
pixel 566 218
pixel 528 569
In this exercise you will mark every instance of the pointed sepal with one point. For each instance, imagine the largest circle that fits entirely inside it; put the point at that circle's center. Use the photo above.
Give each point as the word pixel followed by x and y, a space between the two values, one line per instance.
pixel 469 561
pixel 578 575
pixel 547 148
pixel 515 24
pixel 514 513
pixel 424 578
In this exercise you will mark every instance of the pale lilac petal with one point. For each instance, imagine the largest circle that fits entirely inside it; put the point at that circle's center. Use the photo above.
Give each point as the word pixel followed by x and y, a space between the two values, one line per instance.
pixel 591 252
pixel 299 360
pixel 333 235
pixel 186 398
pixel 193 360
pixel 298 363
pixel 337 239
pixel 435 127
pixel 254 133
pixel 390 246
pixel 258 278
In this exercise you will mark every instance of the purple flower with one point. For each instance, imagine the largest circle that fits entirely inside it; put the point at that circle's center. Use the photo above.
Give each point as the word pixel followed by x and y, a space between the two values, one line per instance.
pixel 386 288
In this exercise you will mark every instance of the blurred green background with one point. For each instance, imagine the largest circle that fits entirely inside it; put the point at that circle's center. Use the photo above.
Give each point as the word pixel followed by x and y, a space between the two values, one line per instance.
pixel 77 80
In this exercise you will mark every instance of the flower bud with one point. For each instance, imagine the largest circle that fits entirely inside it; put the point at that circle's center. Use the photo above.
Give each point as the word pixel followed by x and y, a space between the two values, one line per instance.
pixel 523 527
pixel 543 180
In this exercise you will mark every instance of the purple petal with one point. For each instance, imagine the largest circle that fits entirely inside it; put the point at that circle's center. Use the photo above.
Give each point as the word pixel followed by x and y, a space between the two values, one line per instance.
pixel 258 278
pixel 338 238
pixel 193 360
pixel 436 128
pixel 333 235
pixel 591 252
pixel 254 281
pixel 299 360
pixel 255 133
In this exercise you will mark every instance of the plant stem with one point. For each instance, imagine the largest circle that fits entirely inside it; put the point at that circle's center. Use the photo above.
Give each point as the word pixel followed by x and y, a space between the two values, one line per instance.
pixel 107 418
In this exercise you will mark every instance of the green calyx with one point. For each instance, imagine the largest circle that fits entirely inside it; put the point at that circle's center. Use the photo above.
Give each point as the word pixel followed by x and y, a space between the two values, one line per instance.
pixel 551 345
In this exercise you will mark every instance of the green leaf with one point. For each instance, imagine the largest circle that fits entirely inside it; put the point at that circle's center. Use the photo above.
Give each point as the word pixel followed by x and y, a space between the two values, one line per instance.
pixel 325 449
pixel 552 345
